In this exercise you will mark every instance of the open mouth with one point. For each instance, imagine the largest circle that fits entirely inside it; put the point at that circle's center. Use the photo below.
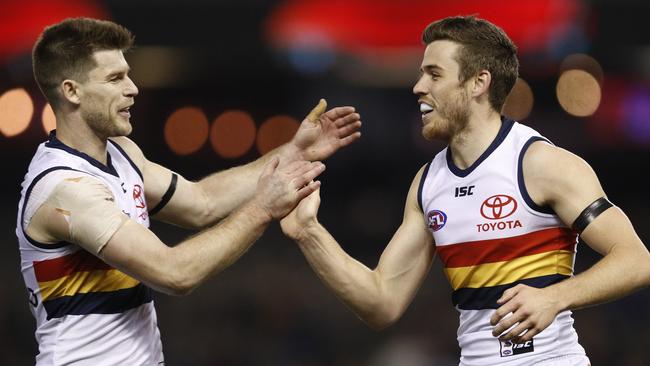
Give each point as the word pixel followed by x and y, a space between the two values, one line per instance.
pixel 425 108
pixel 125 112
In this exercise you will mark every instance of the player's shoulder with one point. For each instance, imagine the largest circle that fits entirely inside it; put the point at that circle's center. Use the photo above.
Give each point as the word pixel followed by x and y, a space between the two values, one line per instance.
pixel 542 156
pixel 131 149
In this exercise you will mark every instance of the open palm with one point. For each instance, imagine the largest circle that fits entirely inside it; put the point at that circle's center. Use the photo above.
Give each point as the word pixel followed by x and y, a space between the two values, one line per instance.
pixel 322 134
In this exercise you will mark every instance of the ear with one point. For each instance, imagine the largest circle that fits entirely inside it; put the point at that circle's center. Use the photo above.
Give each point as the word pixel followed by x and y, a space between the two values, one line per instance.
pixel 482 83
pixel 70 91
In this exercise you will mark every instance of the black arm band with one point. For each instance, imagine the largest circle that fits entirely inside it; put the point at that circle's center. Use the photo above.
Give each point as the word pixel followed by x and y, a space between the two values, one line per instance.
pixel 590 213
pixel 167 196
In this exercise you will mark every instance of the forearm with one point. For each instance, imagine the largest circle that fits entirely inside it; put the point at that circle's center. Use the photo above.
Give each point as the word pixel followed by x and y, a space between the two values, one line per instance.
pixel 216 248
pixel 357 286
pixel 619 273
pixel 221 193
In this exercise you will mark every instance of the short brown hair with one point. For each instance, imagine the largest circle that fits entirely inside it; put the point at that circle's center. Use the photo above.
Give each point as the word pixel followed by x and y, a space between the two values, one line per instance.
pixel 64 50
pixel 484 46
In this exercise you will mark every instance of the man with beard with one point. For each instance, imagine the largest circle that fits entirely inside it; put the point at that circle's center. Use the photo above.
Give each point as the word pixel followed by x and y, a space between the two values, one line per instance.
pixel 87 256
pixel 501 206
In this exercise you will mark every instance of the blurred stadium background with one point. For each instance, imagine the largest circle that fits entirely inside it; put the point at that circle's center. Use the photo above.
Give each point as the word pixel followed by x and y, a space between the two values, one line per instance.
pixel 223 81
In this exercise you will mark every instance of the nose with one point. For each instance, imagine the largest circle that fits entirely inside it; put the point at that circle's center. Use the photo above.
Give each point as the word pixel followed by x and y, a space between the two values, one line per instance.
pixel 419 87
pixel 131 89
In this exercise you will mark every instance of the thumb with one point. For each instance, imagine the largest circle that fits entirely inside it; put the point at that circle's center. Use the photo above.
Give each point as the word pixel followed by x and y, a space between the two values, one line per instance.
pixel 317 111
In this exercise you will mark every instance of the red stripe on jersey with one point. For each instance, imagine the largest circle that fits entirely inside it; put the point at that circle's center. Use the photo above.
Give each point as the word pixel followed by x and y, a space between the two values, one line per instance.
pixel 503 249
pixel 52 269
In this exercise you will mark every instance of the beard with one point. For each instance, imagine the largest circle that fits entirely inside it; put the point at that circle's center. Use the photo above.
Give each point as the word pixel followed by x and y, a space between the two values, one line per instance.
pixel 103 126
pixel 449 120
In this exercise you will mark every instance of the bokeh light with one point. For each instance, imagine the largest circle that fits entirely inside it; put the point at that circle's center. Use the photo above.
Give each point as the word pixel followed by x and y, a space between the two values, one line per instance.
pixel 275 131
pixel 578 92
pixel 580 61
pixel 232 133
pixel 48 119
pixel 16 111
pixel 520 101
pixel 186 130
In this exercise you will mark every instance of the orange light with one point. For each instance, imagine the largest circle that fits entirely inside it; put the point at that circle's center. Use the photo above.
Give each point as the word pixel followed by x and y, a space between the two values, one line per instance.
pixel 186 130
pixel 275 131
pixel 48 118
pixel 520 101
pixel 16 111
pixel 580 61
pixel 232 134
pixel 578 93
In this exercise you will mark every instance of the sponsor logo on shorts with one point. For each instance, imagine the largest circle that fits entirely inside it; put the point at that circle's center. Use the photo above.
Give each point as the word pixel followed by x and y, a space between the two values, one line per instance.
pixel 436 219
pixel 508 348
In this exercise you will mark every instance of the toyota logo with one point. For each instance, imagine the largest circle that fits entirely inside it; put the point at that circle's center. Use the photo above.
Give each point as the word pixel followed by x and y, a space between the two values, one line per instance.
pixel 498 207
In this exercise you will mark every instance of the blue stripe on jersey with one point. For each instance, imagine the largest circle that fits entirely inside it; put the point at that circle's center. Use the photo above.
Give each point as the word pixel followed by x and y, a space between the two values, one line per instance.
pixel 486 297
pixel 422 179
pixel 520 178
pixel 135 167
pixel 22 213
pixel 98 302
pixel 506 126
pixel 55 143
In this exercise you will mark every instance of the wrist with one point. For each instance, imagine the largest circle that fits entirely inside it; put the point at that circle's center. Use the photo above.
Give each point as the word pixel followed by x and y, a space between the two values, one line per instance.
pixel 291 152
pixel 309 233
pixel 257 212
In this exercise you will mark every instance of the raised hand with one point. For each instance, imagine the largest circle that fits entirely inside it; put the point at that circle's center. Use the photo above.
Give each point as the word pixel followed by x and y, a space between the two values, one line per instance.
pixel 531 311
pixel 322 134
pixel 280 188
pixel 302 216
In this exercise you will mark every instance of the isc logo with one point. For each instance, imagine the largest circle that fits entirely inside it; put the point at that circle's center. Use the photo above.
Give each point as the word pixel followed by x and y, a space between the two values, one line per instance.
pixel 509 348
pixel 464 191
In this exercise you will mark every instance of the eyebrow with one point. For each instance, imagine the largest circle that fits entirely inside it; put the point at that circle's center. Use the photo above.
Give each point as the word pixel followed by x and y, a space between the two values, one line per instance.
pixel 432 68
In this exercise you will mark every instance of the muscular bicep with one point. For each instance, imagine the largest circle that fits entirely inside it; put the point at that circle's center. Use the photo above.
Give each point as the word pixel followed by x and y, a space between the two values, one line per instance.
pixel 172 198
pixel 566 183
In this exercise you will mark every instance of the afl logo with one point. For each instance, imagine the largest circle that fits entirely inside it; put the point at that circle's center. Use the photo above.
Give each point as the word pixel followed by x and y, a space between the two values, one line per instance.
pixel 498 207
pixel 436 220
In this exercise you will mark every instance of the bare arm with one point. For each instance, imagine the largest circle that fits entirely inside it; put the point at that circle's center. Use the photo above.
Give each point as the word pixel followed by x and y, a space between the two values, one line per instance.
pixel 135 250
pixel 380 296
pixel 202 203
pixel 568 184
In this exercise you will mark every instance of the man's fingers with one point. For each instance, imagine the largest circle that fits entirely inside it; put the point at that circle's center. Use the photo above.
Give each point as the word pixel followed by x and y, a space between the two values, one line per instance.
pixel 338 112
pixel 317 111
pixel 507 295
pixel 304 178
pixel 350 139
pixel 506 323
pixel 502 312
pixel 307 190
pixel 346 120
pixel 514 334
pixel 349 129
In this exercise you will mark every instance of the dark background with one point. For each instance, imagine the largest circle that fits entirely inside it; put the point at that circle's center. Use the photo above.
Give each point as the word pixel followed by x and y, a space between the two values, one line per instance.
pixel 269 308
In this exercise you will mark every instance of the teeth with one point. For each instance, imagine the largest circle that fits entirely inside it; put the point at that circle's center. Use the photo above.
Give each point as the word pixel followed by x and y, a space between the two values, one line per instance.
pixel 425 108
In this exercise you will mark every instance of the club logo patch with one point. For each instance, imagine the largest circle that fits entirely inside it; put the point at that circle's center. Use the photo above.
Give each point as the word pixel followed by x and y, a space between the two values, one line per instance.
pixel 498 207
pixel 436 219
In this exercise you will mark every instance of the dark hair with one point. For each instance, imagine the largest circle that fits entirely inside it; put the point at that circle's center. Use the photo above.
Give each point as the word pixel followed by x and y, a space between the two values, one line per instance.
pixel 484 46
pixel 64 51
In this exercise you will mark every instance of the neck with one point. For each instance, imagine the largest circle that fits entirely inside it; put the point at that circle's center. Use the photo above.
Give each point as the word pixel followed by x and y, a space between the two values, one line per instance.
pixel 470 143
pixel 75 133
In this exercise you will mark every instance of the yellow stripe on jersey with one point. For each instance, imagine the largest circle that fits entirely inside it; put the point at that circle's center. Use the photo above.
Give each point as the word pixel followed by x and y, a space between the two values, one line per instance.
pixel 85 282
pixel 501 273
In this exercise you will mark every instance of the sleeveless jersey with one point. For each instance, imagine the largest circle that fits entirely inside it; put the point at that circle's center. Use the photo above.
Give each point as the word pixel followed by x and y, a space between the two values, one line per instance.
pixel 87 312
pixel 491 236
